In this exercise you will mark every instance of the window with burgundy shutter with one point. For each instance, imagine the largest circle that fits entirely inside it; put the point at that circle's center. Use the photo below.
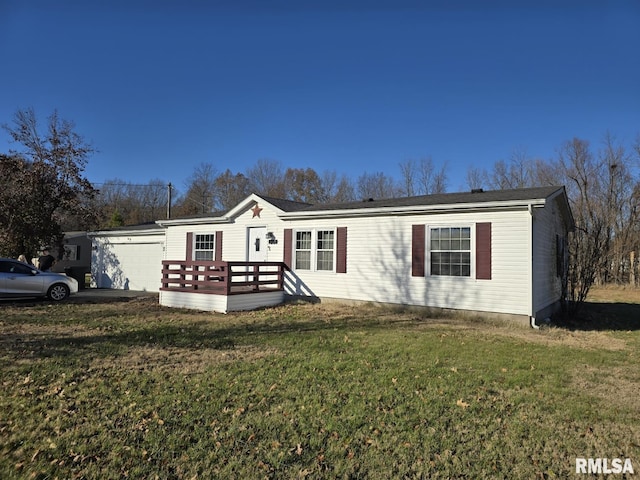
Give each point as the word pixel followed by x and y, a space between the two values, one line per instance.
pixel 450 252
pixel 204 246
pixel 316 250
pixel 450 249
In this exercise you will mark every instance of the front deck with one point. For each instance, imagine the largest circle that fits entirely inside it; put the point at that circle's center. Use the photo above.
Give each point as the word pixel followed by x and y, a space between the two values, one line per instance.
pixel 221 286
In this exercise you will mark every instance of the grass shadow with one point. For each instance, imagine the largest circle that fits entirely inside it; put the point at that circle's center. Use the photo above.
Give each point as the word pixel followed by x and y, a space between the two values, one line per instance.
pixel 82 340
pixel 600 316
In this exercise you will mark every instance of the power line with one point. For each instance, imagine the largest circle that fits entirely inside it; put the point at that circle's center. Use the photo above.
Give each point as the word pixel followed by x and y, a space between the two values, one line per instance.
pixel 163 185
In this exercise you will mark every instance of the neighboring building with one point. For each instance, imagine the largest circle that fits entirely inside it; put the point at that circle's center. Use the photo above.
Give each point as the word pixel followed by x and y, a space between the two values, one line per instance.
pixel 74 258
pixel 495 251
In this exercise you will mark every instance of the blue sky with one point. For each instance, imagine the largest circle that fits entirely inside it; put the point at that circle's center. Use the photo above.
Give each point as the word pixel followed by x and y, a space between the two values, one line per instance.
pixel 160 87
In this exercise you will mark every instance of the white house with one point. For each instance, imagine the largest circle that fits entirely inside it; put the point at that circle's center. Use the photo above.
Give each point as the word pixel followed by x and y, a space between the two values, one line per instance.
pixel 483 251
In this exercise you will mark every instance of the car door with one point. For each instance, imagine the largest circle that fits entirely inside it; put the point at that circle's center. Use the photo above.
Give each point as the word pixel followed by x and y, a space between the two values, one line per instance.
pixel 19 279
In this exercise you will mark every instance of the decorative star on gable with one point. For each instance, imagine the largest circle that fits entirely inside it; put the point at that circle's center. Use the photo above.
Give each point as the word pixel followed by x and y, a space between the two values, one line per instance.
pixel 256 211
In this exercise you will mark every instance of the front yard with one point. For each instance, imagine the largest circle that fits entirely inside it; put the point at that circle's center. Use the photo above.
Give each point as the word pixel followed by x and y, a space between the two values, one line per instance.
pixel 132 389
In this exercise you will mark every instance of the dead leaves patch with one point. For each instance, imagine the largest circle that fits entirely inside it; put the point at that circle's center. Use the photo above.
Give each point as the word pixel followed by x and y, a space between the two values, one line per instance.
pixel 31 343
pixel 619 385
pixel 180 360
pixel 422 320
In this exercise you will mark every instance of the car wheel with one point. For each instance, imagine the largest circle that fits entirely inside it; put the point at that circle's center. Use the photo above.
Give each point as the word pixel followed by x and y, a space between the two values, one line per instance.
pixel 58 292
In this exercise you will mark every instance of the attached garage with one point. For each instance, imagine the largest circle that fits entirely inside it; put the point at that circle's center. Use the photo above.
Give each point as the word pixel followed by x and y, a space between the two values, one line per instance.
pixel 128 258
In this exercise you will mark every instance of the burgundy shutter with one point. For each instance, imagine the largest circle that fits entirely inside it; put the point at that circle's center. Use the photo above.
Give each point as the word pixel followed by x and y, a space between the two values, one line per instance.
pixel 417 250
pixel 218 252
pixel 288 236
pixel 189 254
pixel 341 250
pixel 483 251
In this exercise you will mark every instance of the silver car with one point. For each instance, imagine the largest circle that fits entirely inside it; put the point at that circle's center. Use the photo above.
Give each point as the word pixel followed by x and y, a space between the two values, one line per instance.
pixel 18 279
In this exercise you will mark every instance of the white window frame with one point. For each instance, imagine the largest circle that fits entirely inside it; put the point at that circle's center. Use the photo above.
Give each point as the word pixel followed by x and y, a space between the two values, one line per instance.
pixel 472 250
pixel 194 250
pixel 296 250
pixel 314 250
pixel 332 250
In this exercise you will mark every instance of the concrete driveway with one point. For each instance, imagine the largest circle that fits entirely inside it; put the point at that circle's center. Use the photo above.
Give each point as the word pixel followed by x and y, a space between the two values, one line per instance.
pixel 97 295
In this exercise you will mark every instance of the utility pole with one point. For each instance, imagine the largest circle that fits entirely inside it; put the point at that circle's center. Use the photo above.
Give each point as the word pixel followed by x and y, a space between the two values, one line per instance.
pixel 169 201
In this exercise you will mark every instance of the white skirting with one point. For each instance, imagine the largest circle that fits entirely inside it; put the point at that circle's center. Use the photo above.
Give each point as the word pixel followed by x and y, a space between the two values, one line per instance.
pixel 220 303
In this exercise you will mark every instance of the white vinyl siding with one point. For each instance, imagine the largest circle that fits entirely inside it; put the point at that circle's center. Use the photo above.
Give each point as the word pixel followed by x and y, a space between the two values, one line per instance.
pixel 220 303
pixel 547 286
pixel 379 253
pixel 234 236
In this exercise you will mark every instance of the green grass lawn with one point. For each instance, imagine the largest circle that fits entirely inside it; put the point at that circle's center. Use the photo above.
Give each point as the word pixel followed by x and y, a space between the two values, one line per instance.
pixel 130 389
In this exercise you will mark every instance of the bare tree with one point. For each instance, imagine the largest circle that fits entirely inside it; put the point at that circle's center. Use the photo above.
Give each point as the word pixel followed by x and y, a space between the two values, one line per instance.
pixel 112 201
pixel 153 200
pixel 420 177
pixel 476 178
pixel 336 190
pixel 230 189
pixel 267 178
pixel 125 203
pixel 622 211
pixel 518 172
pixel 53 192
pixel 408 173
pixel 199 198
pixel 377 185
pixel 589 248
pixel 431 180
pixel 303 185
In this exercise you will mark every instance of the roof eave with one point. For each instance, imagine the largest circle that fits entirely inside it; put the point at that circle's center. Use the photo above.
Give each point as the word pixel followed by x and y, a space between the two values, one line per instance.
pixel 566 208
pixel 246 203
pixel 193 221
pixel 413 209
pixel 127 233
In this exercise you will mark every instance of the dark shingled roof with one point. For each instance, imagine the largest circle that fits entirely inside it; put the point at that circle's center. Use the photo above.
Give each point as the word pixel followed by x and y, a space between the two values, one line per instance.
pixel 140 226
pixel 286 205
pixel 443 199
pixel 519 194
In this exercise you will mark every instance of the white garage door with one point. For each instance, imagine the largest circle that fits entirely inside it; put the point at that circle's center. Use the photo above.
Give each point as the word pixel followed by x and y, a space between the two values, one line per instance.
pixel 129 266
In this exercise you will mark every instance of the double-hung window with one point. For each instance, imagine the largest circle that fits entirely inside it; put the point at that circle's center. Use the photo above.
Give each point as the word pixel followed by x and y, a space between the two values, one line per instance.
pixel 315 250
pixel 204 246
pixel 450 251
pixel 325 247
pixel 303 250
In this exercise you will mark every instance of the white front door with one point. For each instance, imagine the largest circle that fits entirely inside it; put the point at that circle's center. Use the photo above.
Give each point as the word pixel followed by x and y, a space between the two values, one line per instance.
pixel 257 244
